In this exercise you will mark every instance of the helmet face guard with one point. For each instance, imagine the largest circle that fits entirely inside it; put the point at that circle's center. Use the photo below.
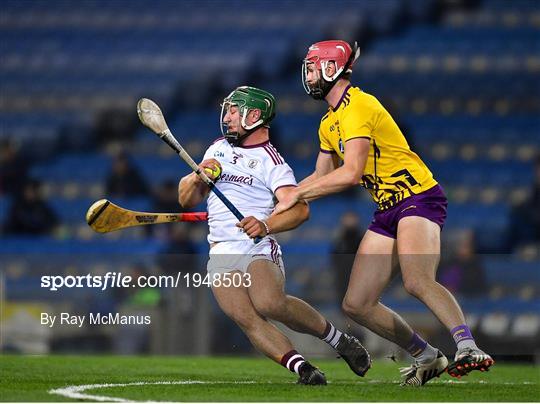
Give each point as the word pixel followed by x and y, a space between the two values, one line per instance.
pixel 246 99
pixel 321 54
pixel 321 88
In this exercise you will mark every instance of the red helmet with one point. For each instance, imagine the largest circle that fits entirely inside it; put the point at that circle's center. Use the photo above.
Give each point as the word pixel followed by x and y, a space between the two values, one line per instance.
pixel 321 53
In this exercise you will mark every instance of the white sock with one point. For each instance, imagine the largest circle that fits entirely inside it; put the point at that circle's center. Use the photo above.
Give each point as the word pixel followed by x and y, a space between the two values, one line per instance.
pixel 331 335
pixel 466 343
pixel 427 355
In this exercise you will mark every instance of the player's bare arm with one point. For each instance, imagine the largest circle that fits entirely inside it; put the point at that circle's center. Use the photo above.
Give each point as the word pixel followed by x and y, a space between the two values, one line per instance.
pixel 287 220
pixel 191 189
pixel 326 163
pixel 348 175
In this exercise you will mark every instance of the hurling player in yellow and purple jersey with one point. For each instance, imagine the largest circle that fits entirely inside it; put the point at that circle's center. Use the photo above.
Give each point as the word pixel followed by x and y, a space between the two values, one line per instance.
pixel 406 227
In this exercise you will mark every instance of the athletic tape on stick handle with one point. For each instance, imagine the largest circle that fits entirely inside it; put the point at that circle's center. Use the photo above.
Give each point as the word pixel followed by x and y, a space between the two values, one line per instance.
pixel 194 216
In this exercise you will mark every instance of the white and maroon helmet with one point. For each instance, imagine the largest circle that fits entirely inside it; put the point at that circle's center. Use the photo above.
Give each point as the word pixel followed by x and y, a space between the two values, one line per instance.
pixel 321 53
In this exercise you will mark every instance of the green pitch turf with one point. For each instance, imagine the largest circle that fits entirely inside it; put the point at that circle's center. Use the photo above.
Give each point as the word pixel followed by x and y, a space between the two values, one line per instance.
pixel 30 378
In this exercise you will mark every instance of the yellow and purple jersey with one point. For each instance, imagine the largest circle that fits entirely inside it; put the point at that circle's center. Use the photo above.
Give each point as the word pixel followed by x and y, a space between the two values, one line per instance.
pixel 393 171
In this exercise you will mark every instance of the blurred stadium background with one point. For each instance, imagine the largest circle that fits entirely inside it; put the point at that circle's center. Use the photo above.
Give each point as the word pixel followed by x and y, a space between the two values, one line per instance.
pixel 461 78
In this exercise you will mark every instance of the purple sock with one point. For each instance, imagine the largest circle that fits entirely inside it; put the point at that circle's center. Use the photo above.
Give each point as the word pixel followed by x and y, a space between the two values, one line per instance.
pixel 461 333
pixel 417 345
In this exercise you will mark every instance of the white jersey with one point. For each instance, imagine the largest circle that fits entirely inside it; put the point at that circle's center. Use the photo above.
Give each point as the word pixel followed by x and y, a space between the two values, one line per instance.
pixel 249 178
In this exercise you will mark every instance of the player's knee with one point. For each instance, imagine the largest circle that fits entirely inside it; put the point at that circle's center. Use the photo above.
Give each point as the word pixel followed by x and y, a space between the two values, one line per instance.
pixel 415 287
pixel 355 309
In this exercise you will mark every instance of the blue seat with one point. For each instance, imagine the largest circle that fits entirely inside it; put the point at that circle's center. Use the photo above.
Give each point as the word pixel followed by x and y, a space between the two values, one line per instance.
pixel 481 173
pixel 510 271
pixel 73 211
pixel 76 167
pixel 478 216
pixel 47 247
pixel 486 128
pixel 480 306
pixel 158 170
pixel 489 222
pixel 503 5
pixel 5 203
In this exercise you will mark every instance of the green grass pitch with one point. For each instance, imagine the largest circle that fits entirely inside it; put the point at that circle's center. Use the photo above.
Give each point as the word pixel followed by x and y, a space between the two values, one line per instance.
pixel 30 378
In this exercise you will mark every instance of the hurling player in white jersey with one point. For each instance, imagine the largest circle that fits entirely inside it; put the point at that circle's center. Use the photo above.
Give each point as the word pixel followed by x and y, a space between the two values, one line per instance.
pixel 254 177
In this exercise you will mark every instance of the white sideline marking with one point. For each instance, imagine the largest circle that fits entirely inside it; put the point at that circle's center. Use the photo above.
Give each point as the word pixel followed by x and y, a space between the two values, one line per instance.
pixel 76 392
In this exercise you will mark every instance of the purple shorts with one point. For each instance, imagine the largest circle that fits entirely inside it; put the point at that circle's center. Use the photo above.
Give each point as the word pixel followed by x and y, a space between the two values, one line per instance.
pixel 430 204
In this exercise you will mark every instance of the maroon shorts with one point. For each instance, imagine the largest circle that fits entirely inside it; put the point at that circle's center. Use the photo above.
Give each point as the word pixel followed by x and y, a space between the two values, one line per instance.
pixel 430 204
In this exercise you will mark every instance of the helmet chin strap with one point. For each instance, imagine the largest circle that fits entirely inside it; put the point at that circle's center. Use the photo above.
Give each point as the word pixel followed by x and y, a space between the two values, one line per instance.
pixel 322 89
pixel 235 139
